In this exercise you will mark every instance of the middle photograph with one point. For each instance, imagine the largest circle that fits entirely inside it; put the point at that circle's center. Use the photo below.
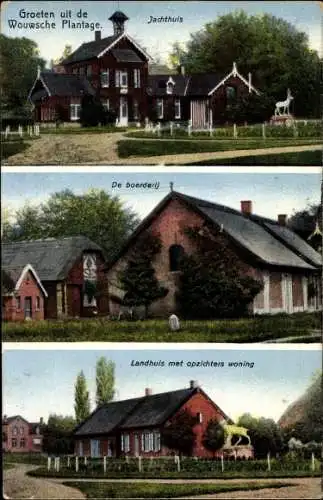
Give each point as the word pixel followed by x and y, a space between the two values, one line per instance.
pixel 169 257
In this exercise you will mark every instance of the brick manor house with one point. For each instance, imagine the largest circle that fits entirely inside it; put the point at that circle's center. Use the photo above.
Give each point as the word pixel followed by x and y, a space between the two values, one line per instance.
pixel 116 70
pixel 133 427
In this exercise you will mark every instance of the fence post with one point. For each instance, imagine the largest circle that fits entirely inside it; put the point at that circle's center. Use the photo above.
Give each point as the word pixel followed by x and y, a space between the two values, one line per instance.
pixel 58 464
pixel 36 130
pixel 235 131
pixel 104 464
pixel 171 128
pixel 211 129
pixel 178 464
pixel 30 130
pixel 222 463
pixel 49 463
pixel 7 131
pixel 264 131
pixel 20 130
pixel 85 460
pixel 127 459
pixel 159 129
pixel 313 461
pixel 76 463
pixel 139 463
pixel 68 462
pixel 268 462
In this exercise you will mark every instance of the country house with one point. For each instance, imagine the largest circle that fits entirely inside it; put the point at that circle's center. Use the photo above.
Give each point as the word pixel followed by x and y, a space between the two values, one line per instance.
pixel 116 71
pixel 267 249
pixel 134 427
pixel 21 436
pixel 52 278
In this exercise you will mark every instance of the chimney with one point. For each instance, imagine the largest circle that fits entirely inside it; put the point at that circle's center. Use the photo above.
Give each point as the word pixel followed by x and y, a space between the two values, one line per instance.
pixel 41 421
pixel 249 82
pixel 97 36
pixel 246 207
pixel 193 384
pixel 282 219
pixel 148 391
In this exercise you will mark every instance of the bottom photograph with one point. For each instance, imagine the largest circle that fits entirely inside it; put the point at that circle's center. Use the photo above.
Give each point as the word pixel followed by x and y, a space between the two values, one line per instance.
pixel 158 423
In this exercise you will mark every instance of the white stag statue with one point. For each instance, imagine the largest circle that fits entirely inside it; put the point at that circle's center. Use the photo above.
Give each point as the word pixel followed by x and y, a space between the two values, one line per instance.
pixel 282 107
pixel 234 430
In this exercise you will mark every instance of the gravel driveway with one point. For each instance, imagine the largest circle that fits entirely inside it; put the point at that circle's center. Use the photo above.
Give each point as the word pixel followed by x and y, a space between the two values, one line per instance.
pixel 17 485
pixel 101 149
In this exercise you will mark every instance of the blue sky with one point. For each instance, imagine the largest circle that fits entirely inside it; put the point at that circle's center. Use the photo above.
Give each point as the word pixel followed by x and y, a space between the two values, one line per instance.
pixel 39 382
pixel 156 38
pixel 271 193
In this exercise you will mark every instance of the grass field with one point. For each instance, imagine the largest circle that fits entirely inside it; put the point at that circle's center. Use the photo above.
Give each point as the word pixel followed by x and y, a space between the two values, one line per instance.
pixel 308 158
pixel 24 458
pixel 257 329
pixel 133 148
pixel 10 148
pixel 155 490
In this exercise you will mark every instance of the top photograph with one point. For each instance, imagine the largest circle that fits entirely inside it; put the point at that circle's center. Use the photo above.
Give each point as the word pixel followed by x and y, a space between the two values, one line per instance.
pixel 158 83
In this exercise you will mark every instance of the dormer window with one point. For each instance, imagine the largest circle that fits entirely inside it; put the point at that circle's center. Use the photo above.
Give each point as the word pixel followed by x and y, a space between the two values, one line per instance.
pixel 170 85
pixel 104 76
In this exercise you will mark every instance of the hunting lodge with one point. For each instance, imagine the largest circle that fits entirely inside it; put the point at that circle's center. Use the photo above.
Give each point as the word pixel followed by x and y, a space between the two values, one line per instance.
pixel 116 71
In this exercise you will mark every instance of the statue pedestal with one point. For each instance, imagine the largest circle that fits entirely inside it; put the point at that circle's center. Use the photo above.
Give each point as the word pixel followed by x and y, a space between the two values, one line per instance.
pixel 238 452
pixel 287 120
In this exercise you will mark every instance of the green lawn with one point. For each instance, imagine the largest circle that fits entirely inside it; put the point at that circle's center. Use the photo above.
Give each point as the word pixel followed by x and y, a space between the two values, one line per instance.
pixel 255 329
pixel 10 148
pixel 130 148
pixel 24 458
pixel 301 158
pixel 155 490
pixel 108 129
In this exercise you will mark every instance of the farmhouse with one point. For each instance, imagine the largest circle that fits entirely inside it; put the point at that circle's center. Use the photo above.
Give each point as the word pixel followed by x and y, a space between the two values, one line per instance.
pixel 267 250
pixel 134 426
pixel 21 436
pixel 67 283
pixel 116 71
pixel 23 294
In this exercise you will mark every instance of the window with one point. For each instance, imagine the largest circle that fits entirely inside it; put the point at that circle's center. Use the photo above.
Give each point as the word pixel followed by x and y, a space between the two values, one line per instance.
pixel 160 108
pixel 75 71
pixel 15 431
pixel 135 110
pixel 106 104
pixel 81 449
pixel 95 448
pixel 75 112
pixel 121 78
pixel 177 109
pixel 18 302
pixel 22 443
pixel 14 443
pixel 157 443
pixel 104 76
pixel 231 94
pixel 199 417
pixel 125 443
pixel 169 88
pixel 136 78
pixel 176 252
pixel 22 431
pixel 81 70
pixel 89 70
pixel 37 303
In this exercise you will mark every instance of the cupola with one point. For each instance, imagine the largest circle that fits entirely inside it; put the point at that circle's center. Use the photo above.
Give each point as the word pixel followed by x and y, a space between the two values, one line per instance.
pixel 118 20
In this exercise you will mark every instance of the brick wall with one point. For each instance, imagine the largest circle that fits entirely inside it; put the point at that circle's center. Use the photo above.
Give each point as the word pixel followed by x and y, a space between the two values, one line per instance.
pixel 17 433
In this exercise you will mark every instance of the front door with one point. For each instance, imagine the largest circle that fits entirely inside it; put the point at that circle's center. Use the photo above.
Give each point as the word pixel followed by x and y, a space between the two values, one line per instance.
pixel 28 308
pixel 123 112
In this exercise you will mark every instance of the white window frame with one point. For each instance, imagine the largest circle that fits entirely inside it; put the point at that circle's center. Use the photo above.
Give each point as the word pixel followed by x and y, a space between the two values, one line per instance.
pixel 125 443
pixel 177 105
pixel 157 441
pixel 200 417
pixel 75 112
pixel 135 109
pixel 95 448
pixel 106 104
pixel 89 70
pixel 160 108
pixel 105 74
pixel 136 78
pixel 124 73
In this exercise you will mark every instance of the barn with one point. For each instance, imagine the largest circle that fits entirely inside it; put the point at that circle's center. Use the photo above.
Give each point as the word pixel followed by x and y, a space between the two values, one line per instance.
pixel 268 250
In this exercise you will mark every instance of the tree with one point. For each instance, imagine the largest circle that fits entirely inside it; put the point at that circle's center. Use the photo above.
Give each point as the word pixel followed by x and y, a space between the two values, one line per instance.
pixel 104 381
pixel 92 112
pixel 214 436
pixel 265 434
pixel 96 214
pixel 18 65
pixel 178 434
pixel 82 398
pixel 138 279
pixel 213 282
pixel 273 50
pixel 58 435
